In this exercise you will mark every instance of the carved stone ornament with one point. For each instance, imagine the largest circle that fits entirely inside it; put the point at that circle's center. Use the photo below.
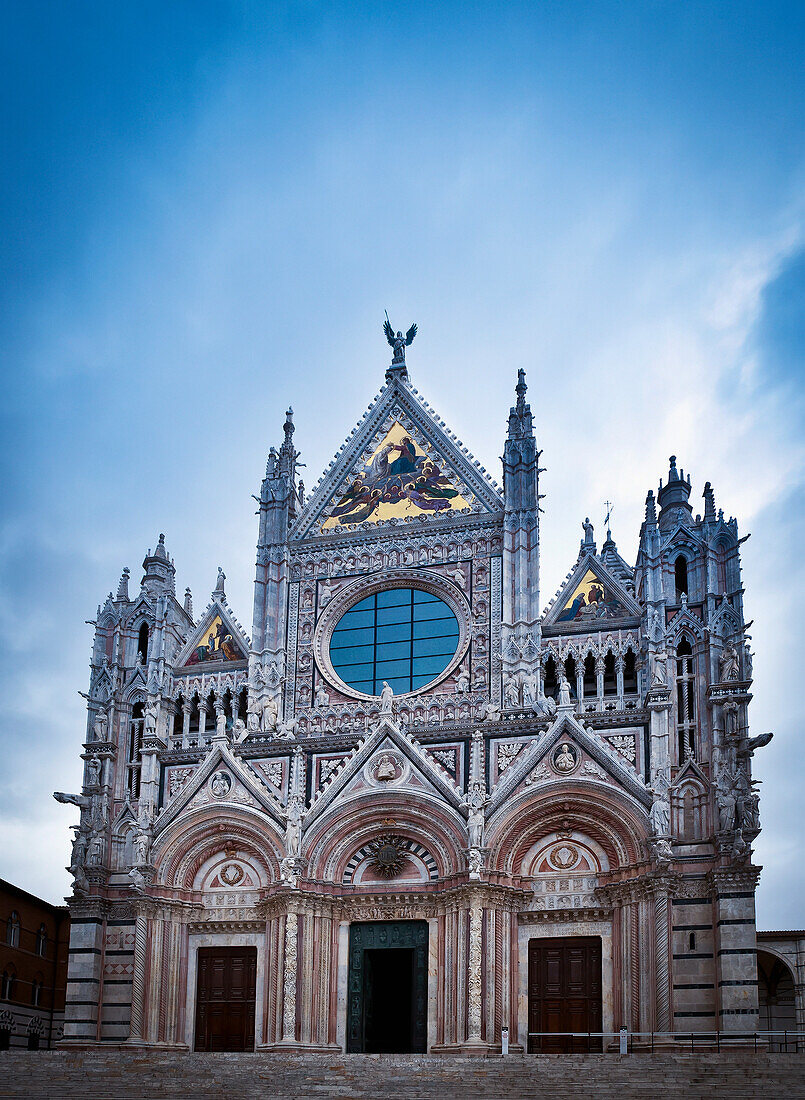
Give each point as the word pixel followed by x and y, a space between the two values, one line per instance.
pixel 564 856
pixel 220 784
pixel 230 874
pixel 388 855
pixel 565 758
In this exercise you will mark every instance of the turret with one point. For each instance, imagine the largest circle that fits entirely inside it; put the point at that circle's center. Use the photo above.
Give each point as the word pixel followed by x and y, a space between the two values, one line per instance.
pixel 673 498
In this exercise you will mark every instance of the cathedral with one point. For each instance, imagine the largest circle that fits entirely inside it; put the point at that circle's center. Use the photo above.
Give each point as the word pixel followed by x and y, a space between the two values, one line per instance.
pixel 412 809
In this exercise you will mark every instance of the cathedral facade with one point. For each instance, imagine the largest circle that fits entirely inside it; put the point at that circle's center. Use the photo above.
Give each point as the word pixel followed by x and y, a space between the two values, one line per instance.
pixel 413 810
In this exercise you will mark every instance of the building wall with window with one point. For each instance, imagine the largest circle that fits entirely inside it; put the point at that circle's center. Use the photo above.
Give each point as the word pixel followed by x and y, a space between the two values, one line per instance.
pixel 409 738
pixel 33 969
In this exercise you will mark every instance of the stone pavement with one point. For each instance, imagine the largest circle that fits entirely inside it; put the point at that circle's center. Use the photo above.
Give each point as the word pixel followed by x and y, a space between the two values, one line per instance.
pixel 116 1075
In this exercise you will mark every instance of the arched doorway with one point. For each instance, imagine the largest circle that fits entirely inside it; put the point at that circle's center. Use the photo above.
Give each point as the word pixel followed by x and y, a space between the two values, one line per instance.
pixel 776 997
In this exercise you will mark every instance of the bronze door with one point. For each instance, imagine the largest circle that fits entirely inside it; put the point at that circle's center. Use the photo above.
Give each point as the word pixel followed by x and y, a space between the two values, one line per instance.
pixel 225 998
pixel 564 994
pixel 387 1009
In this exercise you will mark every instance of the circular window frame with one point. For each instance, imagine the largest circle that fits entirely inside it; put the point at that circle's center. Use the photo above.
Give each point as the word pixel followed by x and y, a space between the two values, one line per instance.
pixel 361 589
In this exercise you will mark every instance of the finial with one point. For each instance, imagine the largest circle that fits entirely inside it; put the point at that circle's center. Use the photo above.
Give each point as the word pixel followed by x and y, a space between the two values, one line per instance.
pixel 123 586
pixel 673 473
pixel 609 506
pixel 709 501
pixel 651 508
pixel 521 389
pixel 160 551
pixel 288 426
pixel 271 463
pixel 188 603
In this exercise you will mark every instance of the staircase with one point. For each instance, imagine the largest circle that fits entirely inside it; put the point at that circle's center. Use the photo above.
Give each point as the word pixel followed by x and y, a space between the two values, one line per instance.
pixel 116 1075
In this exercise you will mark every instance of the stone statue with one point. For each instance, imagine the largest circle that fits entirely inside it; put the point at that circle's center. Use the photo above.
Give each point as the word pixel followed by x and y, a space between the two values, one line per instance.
pixel 491 712
pixel 589 532
pixel 397 341
pixel 660 675
pixel 93 771
pixel 564 692
pixel 511 693
pixel 663 852
pixel 385 770
pixel 753 743
pixel 253 721
pixel 142 843
pixel 150 721
pixel 96 851
pixel 476 800
pixel 660 813
pixel 564 761
pixel 475 862
pixel 100 726
pixel 458 576
pixel 728 665
pixel 293 828
pixel 530 689
pixel 286 731
pixel 747 663
pixel 462 681
pixel 270 712
pixel 80 800
pixel 386 699
pixel 322 698
pixel 725 798
pixel 240 730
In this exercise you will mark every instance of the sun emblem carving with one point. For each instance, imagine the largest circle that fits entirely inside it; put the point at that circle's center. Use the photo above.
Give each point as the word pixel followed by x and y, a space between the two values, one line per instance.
pixel 388 855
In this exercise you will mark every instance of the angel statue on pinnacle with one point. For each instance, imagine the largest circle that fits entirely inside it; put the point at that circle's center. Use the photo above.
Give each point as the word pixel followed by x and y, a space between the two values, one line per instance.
pixel 398 341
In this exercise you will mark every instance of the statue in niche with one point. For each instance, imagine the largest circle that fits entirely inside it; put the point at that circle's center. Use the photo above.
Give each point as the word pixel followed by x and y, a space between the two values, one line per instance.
pixel 475 802
pixel 511 692
pixel 660 813
pixel 322 698
pixel 530 689
pixel 462 681
pixel 270 712
pixel 142 844
pixel 293 828
pixel 458 576
pixel 100 726
pixel 386 699
pixel 93 771
pixel 726 800
pixel 565 758
pixel 660 675
pixel 386 769
pixel 728 668
pixel 150 721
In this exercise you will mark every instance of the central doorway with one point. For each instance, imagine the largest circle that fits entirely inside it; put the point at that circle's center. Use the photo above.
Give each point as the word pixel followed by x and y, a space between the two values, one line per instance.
pixel 388 970
pixel 564 994
pixel 225 998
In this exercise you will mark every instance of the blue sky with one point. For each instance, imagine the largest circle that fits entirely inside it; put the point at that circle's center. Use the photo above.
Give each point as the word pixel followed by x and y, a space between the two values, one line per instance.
pixel 207 207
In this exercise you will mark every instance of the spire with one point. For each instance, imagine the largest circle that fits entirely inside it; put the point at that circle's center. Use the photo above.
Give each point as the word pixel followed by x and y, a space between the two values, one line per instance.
pixel 520 420
pixel 651 508
pixel 188 603
pixel 218 592
pixel 709 502
pixel 160 573
pixel 673 497
pixel 123 586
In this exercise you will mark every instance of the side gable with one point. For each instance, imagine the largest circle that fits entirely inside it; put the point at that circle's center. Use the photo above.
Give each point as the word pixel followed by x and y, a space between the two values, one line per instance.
pixel 400 463
pixel 217 640
pixel 591 598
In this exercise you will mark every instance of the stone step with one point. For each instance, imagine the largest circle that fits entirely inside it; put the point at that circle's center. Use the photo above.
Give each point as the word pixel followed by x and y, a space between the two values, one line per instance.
pixel 126 1075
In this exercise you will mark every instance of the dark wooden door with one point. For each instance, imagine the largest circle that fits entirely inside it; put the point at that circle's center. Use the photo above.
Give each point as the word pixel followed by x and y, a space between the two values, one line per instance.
pixel 564 993
pixel 225 998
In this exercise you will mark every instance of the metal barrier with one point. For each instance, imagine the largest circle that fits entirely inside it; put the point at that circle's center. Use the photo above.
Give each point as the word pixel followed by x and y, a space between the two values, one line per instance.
pixel 650 1042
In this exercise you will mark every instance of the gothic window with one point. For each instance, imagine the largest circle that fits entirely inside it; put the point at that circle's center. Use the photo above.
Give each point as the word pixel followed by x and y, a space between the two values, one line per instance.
pixel 681 576
pixel 7 983
pixel 178 717
pixel 692 941
pixel 142 642
pixel 685 701
pixel 135 744
pixel 13 930
pixel 590 678
pixel 403 636
pixel 570 674
pixel 36 991
pixel 42 941
pixel 629 672
pixel 610 678
pixel 551 686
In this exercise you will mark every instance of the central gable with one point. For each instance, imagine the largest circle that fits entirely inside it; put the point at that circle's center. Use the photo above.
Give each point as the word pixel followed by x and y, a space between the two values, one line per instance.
pixel 401 478
pixel 400 464
pixel 591 599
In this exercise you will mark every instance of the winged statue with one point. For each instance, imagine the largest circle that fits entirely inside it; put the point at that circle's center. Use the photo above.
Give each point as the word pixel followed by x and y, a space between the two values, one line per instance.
pixel 398 341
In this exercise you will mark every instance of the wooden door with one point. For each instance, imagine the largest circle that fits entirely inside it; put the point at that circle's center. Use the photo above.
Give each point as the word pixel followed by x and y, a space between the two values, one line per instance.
pixel 225 998
pixel 564 993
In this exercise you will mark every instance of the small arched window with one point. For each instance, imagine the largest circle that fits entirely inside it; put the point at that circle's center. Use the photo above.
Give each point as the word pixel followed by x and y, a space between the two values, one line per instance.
pixel 7 980
pixel 629 672
pixel 590 677
pixel 610 675
pixel 681 576
pixel 36 991
pixel 13 930
pixel 570 674
pixel 685 701
pixel 42 941
pixel 135 744
pixel 551 685
pixel 142 642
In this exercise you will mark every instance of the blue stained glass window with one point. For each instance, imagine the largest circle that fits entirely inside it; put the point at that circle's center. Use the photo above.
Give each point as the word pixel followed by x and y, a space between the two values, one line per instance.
pixel 403 636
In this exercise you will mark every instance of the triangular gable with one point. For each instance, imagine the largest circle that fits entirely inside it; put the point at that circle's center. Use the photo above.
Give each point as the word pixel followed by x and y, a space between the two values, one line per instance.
pixel 590 599
pixel 690 770
pixel 220 758
pixel 399 463
pixel 217 640
pixel 385 732
pixel 566 725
